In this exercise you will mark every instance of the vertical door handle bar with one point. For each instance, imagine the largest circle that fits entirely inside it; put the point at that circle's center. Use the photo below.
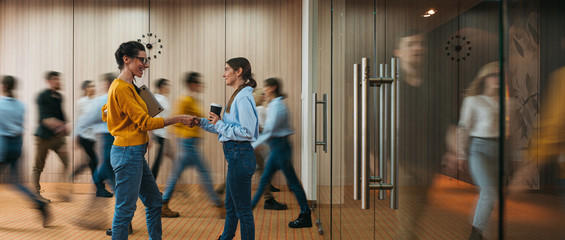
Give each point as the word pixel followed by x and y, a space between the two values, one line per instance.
pixel 364 133
pixel 356 179
pixel 324 102
pixel 393 129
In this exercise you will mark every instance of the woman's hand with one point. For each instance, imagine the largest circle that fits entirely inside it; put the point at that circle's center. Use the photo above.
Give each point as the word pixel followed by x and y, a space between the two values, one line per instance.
pixel 213 118
pixel 187 120
pixel 194 121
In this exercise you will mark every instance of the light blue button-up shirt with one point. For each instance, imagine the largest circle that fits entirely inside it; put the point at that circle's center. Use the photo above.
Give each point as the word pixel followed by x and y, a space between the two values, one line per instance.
pixel 240 124
pixel 92 117
pixel 277 123
pixel 12 112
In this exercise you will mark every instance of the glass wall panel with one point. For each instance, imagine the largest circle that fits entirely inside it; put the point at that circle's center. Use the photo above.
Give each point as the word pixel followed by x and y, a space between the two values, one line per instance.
pixel 534 53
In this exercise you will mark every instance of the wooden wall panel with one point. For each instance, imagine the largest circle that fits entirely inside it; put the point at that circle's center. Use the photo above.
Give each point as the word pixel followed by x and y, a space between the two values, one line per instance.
pixel 268 35
pixel 29 49
pixel 13 24
pixel 213 59
pixel 290 20
pixel 164 24
pixel 200 48
pixel 99 27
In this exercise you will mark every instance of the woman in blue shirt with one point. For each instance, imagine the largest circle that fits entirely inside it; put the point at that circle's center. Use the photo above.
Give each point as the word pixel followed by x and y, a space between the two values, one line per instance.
pixel 237 130
pixel 11 131
pixel 275 132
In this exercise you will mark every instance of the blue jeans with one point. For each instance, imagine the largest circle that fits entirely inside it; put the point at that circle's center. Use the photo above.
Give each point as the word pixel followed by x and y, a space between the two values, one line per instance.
pixel 483 165
pixel 11 151
pixel 280 159
pixel 241 166
pixel 105 171
pixel 188 156
pixel 133 179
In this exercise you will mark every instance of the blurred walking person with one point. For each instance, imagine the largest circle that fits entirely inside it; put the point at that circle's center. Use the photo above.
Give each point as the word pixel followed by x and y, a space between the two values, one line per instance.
pixel 549 144
pixel 160 135
pixel 275 133
pixel 478 137
pixel 92 119
pixel 52 129
pixel 261 152
pixel 11 138
pixel 188 148
pixel 87 137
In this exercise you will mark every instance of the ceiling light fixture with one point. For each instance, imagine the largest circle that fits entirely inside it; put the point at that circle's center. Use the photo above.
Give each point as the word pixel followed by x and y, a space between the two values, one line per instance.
pixel 429 13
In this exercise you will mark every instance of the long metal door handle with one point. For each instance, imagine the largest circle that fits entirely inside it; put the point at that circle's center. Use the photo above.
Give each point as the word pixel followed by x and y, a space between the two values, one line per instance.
pixel 394 127
pixel 365 73
pixel 356 179
pixel 325 103
pixel 325 120
pixel 314 101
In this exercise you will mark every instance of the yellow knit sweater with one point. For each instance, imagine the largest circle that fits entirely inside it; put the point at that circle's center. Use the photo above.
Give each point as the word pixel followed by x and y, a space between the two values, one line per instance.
pixel 126 115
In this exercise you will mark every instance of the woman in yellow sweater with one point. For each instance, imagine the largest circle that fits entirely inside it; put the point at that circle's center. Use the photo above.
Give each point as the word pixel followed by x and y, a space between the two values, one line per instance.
pixel 128 121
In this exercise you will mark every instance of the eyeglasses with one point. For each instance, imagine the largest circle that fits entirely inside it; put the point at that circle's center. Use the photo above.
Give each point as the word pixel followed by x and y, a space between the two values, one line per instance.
pixel 143 60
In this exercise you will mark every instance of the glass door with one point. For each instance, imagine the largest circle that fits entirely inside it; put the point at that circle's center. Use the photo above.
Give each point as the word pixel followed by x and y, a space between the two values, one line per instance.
pixel 534 53
pixel 414 129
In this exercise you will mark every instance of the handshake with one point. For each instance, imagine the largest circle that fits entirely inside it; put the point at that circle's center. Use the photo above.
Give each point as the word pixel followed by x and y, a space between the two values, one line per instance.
pixel 191 121
pixel 188 120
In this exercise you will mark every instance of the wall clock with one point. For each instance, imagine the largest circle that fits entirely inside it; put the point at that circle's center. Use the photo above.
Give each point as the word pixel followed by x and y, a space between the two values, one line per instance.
pixel 152 43
pixel 458 48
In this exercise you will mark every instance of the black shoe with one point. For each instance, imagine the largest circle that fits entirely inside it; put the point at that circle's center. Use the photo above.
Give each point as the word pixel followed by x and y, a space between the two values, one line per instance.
pixel 303 220
pixel 102 192
pixel 220 190
pixel 274 189
pixel 45 214
pixel 130 230
pixel 41 198
pixel 272 204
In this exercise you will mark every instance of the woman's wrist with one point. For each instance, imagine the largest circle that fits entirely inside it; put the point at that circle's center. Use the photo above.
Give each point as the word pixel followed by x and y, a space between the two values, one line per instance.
pixel 172 120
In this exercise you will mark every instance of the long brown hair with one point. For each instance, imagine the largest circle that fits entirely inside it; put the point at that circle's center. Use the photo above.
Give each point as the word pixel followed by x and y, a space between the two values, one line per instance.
pixel 477 86
pixel 243 63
